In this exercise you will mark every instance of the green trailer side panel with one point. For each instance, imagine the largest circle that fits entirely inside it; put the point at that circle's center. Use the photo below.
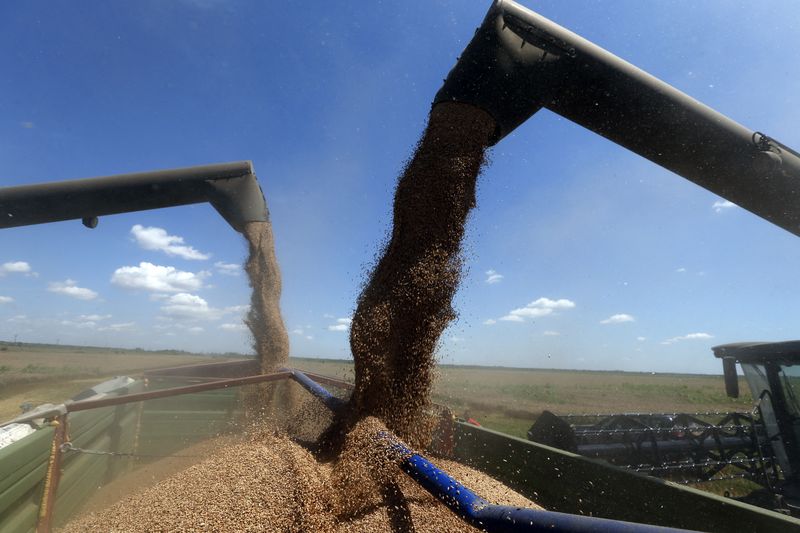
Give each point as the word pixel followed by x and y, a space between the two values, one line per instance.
pixel 166 432
pixel 22 519
pixel 23 464
pixel 84 426
pixel 568 483
pixel 81 478
pixel 209 400
pixel 27 488
pixel 84 473
pixel 21 457
pixel 22 468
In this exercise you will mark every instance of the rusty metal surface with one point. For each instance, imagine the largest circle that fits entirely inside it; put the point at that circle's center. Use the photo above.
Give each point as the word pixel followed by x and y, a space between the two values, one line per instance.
pixel 52 478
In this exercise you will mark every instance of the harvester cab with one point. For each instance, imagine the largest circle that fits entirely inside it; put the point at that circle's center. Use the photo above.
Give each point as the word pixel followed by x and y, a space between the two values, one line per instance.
pixel 772 371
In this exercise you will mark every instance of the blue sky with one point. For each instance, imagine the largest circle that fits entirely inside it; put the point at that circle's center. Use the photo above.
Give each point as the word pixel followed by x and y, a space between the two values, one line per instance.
pixel 580 254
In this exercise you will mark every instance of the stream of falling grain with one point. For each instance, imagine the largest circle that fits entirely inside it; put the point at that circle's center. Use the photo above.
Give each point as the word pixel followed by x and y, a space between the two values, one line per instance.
pixel 407 302
pixel 270 340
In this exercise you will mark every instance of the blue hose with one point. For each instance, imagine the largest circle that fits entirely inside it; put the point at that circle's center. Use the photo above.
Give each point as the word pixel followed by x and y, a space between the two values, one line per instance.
pixel 470 506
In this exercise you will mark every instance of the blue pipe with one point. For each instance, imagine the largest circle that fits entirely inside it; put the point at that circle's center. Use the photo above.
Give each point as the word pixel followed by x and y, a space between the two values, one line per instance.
pixel 470 506
pixel 501 518
pixel 332 402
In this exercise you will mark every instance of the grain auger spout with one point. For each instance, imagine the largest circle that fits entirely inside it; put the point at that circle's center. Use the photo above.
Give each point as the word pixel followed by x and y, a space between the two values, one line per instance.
pixel 232 188
pixel 519 62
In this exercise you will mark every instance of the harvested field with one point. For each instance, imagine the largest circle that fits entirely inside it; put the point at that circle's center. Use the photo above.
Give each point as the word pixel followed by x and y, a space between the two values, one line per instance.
pixel 510 399
pixel 47 373
pixel 270 483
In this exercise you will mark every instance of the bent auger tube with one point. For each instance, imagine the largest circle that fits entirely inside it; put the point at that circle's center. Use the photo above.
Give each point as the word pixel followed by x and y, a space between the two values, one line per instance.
pixel 332 402
pixel 468 505
pixel 519 62
pixel 232 188
pixel 499 518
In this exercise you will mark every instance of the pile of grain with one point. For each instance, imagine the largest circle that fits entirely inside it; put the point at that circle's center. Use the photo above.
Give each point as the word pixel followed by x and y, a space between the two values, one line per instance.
pixel 270 483
pixel 406 305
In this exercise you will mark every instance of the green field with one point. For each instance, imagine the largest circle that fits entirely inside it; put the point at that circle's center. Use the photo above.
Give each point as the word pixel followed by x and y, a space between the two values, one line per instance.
pixel 506 399
pixel 40 373
pixel 510 399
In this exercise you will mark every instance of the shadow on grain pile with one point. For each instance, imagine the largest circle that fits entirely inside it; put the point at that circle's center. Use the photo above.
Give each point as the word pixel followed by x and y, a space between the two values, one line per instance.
pixel 272 483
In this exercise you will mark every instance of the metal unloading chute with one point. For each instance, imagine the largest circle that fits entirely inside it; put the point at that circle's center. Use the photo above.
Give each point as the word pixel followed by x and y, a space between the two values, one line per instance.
pixel 519 62
pixel 231 188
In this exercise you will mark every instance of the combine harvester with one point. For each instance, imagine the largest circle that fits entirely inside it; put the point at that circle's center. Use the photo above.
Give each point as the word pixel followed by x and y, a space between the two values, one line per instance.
pixel 762 446
pixel 517 63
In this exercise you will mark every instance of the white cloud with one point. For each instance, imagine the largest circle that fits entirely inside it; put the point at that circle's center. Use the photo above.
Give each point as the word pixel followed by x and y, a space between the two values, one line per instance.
pixel 237 309
pixel 94 318
pixel 689 337
pixel 549 333
pixel 531 312
pixel 489 322
pixel 310 337
pixel 6 299
pixel 721 205
pixel 493 277
pixel 157 239
pixel 228 269
pixel 547 303
pixel 537 308
pixel 18 319
pixel 641 339
pixel 123 326
pixel 70 288
pixel 618 319
pixel 150 277
pixel 680 270
pixel 183 306
pixel 89 324
pixel 298 331
pixel 233 327
pixel 456 340
pixel 342 324
pixel 15 267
